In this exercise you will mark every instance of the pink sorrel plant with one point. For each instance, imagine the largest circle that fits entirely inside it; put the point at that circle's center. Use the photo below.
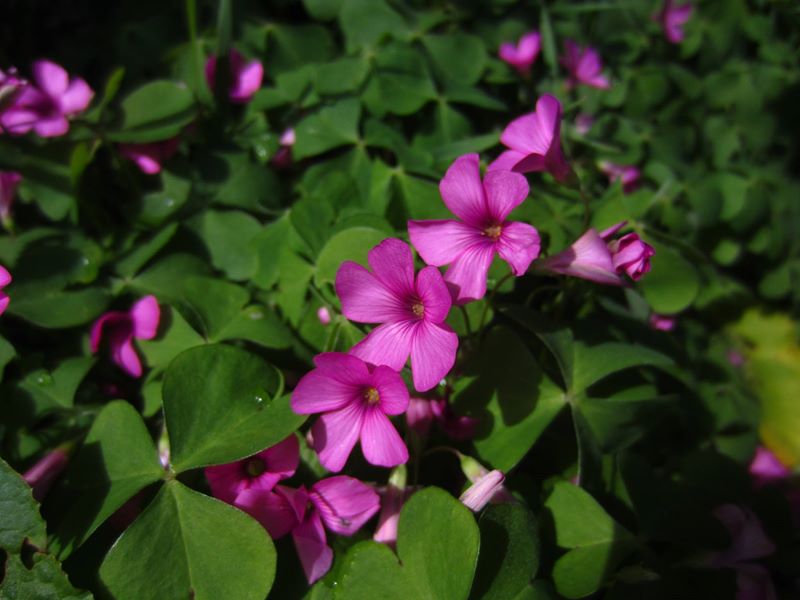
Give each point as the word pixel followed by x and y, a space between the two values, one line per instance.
pixel 342 504
pixel 522 55
pixel 584 66
pixel 411 312
pixel 140 322
pixel 470 245
pixel 9 181
pixel 245 77
pixel 534 142
pixel 262 471
pixel 629 175
pixel 150 157
pixel 283 157
pixel 5 279
pixel 46 106
pixel 354 398
pixel 422 413
pixel 672 17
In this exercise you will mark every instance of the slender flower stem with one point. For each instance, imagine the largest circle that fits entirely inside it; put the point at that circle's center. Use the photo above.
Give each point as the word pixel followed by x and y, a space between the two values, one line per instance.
pixel 489 300
pixel 466 320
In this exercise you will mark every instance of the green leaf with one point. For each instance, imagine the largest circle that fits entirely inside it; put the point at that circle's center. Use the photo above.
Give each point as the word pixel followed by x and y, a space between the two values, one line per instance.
pixel 175 337
pixel 198 547
pixel 155 111
pixel 165 278
pixel 143 251
pixel 341 76
pixel 214 303
pixel 333 126
pixel 672 284
pixel 58 387
pixel 117 459
pixel 593 363
pixel 220 406
pixel 596 543
pixel 44 579
pixel 459 56
pixel 401 83
pixel 437 544
pixel 21 520
pixel 7 353
pixel 228 236
pixel 257 324
pixel 351 244
pixel 57 309
pixel 365 22
pixel 509 555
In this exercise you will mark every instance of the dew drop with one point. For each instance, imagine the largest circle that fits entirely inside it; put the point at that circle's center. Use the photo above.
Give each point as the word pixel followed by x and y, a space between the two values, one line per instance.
pixel 44 379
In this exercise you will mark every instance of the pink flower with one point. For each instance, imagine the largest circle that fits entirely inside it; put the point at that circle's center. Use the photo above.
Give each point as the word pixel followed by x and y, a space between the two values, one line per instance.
pixel 470 245
pixel 422 413
pixel 140 322
pixel 245 77
pixel 630 255
pixel 343 504
pixel 662 322
pixel 584 66
pixel 392 500
pixel 148 157
pixel 482 490
pixel 412 312
pixel 324 315
pixel 587 258
pixel 262 471
pixel 46 106
pixel 627 174
pixel 766 468
pixel 355 399
pixel 5 279
pixel 583 123
pixel 46 470
pixel 283 157
pixel 9 181
pixel 523 55
pixel 672 18
pixel 10 85
pixel 534 142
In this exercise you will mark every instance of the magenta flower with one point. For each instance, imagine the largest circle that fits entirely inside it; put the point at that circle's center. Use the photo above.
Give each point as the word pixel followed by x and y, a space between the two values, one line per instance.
pixel 262 471
pixel 470 245
pixel 411 312
pixel 392 500
pixel 140 322
pixel 584 66
pixel 46 106
pixel 523 55
pixel 342 504
pixel 662 322
pixel 355 399
pixel 534 142
pixel 9 181
pixel 10 85
pixel 245 76
pixel 149 157
pixel 422 413
pixel 483 490
pixel 627 174
pixel 5 279
pixel 766 468
pixel 587 258
pixel 672 18
pixel 631 255
pixel 283 157
pixel 46 470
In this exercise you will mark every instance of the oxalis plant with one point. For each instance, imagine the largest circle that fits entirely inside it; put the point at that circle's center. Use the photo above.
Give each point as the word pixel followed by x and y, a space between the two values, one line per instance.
pixel 396 299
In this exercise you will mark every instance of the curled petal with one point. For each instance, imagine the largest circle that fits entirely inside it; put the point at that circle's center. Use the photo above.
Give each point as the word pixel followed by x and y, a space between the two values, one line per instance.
pixel 380 442
pixel 52 126
pixel 124 354
pixel 511 159
pixel 433 354
pixel 108 321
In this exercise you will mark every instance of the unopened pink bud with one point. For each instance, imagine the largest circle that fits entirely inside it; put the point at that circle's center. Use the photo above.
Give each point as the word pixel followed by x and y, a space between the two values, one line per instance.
pixel 46 470
pixel 662 322
pixel 324 315
pixel 481 492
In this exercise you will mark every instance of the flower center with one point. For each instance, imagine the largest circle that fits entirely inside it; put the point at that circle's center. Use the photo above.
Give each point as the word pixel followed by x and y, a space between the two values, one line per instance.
pixel 418 308
pixel 255 467
pixel 371 396
pixel 493 231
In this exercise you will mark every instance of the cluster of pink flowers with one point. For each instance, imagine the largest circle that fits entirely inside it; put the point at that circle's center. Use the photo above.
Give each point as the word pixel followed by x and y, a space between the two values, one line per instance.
pixel 43 105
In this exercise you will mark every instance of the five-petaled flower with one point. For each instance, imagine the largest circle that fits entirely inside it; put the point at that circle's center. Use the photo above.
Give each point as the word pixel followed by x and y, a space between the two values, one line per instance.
pixel 343 504
pixel 245 77
pixel 355 398
pixel 412 312
pixel 470 245
pixel 522 55
pixel 46 106
pixel 534 142
pixel 584 66
pixel 140 322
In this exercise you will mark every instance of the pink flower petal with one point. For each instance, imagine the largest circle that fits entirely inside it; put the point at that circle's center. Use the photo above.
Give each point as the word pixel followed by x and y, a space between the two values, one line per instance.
pixel 315 554
pixel 391 389
pixel 766 468
pixel 124 354
pixel 393 265
pixel 226 481
pixel 587 258
pixel 529 45
pixel 76 98
pixel 344 503
pixel 272 510
pixel 504 192
pixel 748 539
pixel 344 368
pixel 246 82
pixel 318 392
pixel 388 344
pixel 380 442
pixel 508 161
pixel 51 78
pixel 4 300
pixel 433 292
pixel 52 126
pixel 145 315
pixel 392 500
pixel 109 320
pixel 336 433
pixel 462 190
pixel 525 134
pixel 440 242
pixel 433 354
pixel 419 415
pixel 282 459
pixel 518 245
pixel 364 297
pixel 467 275
pixel 5 277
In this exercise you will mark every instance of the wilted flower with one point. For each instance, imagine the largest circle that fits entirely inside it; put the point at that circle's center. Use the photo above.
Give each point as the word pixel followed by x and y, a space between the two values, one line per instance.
pixel 343 504
pixel 470 245
pixel 46 106
pixel 534 142
pixel 522 55
pixel 245 77
pixel 355 399
pixel 412 312
pixel 584 66
pixel 149 157
pixel 9 181
pixel 672 17
pixel 262 471
pixel 627 174
pixel 46 470
pixel 140 322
